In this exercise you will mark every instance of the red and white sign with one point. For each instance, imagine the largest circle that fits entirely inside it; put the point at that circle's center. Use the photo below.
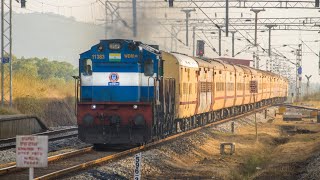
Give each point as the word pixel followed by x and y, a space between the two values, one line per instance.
pixel 32 151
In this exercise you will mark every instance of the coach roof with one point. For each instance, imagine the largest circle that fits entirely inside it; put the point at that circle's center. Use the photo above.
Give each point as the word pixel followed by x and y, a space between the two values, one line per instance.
pixel 185 60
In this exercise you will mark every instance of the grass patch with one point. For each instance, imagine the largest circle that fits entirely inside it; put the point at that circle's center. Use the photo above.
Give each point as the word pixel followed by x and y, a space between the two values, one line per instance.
pixel 250 166
pixel 8 111
pixel 313 96
pixel 50 99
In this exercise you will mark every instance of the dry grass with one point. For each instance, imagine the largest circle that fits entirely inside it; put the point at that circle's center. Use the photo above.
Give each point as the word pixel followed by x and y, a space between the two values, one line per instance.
pixel 312 97
pixel 274 156
pixel 24 86
pixel 48 99
pixel 313 103
pixel 312 100
pixel 9 111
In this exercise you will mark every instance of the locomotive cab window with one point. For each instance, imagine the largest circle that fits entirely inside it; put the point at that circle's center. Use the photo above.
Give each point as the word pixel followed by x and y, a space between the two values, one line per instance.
pixel 87 67
pixel 148 67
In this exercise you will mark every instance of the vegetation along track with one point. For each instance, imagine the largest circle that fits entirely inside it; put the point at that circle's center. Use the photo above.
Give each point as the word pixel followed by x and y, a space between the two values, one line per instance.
pixel 71 164
pixel 53 136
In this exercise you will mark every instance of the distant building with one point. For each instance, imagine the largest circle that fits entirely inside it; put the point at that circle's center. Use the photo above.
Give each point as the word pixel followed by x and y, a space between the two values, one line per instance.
pixel 244 62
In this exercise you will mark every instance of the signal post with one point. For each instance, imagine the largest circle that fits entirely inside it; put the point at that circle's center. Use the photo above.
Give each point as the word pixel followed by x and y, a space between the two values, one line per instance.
pixel 253 91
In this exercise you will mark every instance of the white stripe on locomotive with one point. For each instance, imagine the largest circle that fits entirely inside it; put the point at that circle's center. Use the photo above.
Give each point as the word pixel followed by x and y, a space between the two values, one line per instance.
pixel 125 79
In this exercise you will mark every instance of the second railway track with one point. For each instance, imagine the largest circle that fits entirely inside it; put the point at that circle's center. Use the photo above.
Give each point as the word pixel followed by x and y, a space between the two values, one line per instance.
pixel 53 136
pixel 73 163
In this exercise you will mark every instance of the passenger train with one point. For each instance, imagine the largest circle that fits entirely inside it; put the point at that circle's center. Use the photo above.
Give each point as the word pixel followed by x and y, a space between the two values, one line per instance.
pixel 131 93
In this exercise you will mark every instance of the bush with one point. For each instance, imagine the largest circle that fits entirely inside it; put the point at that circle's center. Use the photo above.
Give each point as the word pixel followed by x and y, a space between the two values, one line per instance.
pixel 249 167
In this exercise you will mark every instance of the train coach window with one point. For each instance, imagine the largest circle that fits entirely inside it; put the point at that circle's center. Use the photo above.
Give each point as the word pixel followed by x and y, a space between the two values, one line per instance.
pixel 148 67
pixel 87 67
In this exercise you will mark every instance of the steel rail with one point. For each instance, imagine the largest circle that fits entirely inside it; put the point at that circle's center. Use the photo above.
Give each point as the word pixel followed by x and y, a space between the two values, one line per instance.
pixel 301 107
pixel 86 165
pixel 9 140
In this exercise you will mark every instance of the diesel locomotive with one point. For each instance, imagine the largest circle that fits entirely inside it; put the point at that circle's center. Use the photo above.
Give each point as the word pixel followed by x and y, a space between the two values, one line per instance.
pixel 131 93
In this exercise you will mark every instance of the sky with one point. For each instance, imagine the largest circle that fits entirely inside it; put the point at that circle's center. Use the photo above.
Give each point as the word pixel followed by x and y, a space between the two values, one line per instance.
pixel 93 11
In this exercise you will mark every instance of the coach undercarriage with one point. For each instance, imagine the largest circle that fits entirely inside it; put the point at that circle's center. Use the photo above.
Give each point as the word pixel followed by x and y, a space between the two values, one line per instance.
pixel 171 126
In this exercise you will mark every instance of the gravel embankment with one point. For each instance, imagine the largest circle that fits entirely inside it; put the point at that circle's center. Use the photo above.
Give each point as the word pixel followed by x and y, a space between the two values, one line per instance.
pixel 312 169
pixel 164 160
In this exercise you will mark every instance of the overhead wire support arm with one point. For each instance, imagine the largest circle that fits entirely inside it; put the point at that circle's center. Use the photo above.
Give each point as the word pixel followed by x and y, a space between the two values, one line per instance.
pixel 173 35
pixel 310 48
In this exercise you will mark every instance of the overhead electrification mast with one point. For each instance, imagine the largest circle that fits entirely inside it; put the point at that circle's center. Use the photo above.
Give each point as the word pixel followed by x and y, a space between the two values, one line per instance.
pixel 6 50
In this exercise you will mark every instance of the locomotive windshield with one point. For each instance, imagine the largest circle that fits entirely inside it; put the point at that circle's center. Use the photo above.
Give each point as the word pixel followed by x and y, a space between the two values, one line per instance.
pixel 148 67
pixel 87 67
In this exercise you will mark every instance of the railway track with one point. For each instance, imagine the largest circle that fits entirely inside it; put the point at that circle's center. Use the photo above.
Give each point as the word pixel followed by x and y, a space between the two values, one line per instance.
pixel 53 136
pixel 301 107
pixel 63 165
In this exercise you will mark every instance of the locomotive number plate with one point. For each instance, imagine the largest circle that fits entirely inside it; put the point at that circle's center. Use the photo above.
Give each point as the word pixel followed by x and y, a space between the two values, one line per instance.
pixel 98 56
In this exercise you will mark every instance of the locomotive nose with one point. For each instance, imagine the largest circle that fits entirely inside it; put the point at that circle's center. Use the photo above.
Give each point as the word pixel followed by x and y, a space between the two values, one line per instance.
pixel 115 119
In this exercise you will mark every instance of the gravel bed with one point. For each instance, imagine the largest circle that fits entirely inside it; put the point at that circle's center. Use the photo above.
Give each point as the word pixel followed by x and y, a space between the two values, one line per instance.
pixel 247 121
pixel 155 160
pixel 312 169
pixel 7 156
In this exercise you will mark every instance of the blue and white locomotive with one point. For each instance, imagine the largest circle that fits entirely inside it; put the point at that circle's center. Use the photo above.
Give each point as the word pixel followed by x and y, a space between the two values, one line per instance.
pixel 117 80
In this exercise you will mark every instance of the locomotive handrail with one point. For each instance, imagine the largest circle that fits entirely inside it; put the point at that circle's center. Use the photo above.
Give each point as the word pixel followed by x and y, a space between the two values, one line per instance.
pixel 154 82
pixel 76 93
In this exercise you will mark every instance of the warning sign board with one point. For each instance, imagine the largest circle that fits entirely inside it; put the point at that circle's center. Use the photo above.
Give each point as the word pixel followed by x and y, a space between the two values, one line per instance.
pixel 32 151
pixel 253 86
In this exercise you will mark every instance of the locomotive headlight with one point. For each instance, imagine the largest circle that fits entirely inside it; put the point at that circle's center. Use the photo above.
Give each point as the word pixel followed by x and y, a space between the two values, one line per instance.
pixel 135 106
pixel 93 106
pixel 115 46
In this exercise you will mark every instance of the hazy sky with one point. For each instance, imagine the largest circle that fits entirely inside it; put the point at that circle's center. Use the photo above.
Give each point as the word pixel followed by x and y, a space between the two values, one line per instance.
pixel 93 11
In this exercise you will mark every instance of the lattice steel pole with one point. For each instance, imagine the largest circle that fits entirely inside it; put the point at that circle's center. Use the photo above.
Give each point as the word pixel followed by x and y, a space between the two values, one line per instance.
pixel 6 51
pixel 299 71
